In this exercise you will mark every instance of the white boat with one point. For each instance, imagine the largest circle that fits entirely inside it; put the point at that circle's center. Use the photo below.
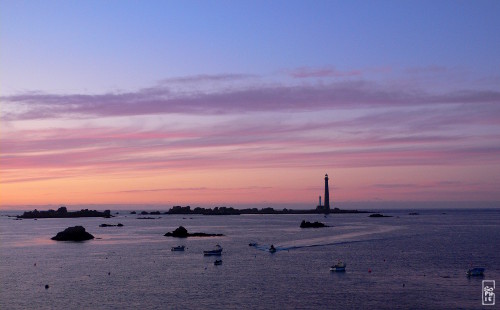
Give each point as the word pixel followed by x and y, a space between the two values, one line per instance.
pixel 216 251
pixel 177 248
pixel 340 266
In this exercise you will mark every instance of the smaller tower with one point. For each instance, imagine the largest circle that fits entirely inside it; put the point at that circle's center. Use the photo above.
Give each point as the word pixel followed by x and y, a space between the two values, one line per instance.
pixel 319 200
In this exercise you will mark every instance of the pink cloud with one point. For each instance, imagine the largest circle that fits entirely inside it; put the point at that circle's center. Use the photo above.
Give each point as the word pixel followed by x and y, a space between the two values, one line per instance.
pixel 298 98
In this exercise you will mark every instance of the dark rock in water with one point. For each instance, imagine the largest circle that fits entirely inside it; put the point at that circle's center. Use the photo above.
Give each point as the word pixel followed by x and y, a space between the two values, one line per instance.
pixel 75 233
pixel 62 212
pixel 379 215
pixel 305 224
pixel 182 232
pixel 111 225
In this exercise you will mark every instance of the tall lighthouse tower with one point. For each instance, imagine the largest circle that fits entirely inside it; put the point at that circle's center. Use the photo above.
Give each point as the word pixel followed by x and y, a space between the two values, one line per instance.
pixel 327 194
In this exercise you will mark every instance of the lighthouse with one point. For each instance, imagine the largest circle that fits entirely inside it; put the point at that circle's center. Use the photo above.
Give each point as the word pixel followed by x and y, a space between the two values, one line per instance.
pixel 327 194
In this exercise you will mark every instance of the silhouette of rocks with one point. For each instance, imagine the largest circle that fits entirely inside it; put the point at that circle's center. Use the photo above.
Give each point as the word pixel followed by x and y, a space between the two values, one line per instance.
pixel 111 225
pixel 181 232
pixel 379 215
pixel 232 211
pixel 305 224
pixel 62 212
pixel 75 233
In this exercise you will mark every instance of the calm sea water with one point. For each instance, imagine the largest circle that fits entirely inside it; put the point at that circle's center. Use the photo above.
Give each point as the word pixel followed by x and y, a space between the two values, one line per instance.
pixel 416 261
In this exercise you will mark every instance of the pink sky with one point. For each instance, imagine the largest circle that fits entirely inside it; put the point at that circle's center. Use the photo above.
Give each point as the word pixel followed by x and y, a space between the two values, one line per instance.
pixel 245 140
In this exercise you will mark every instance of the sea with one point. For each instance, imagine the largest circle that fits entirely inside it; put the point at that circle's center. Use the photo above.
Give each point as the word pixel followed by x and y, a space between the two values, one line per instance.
pixel 399 262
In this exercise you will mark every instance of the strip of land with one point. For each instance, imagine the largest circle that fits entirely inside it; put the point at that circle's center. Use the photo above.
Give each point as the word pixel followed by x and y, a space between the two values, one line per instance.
pixel 62 212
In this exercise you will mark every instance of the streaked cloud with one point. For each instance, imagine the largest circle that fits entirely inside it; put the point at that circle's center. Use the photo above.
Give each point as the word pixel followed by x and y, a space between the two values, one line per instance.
pixel 164 130
pixel 306 72
pixel 264 98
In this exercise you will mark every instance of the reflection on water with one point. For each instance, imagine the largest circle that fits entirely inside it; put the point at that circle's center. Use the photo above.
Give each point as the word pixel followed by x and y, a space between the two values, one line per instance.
pixel 37 241
pixel 132 266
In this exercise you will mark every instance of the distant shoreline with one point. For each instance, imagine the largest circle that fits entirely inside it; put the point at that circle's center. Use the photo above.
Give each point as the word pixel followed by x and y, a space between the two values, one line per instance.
pixel 63 213
pixel 232 211
pixel 343 205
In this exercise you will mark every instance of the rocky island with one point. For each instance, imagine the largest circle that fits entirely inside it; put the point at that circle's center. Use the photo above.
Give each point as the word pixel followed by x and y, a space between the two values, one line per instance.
pixel 379 215
pixel 62 212
pixel 182 232
pixel 305 224
pixel 75 233
pixel 111 225
pixel 233 211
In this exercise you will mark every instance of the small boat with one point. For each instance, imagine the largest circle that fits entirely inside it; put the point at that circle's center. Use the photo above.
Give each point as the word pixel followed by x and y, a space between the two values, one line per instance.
pixel 272 249
pixel 340 266
pixel 477 271
pixel 177 248
pixel 252 244
pixel 218 262
pixel 216 251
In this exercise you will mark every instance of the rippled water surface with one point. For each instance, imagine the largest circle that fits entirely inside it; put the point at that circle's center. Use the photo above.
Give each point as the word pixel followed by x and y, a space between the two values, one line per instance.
pixel 416 261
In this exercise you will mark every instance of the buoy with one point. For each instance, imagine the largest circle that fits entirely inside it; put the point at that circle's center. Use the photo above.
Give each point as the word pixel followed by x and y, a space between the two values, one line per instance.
pixel 109 273
pixel 369 271
pixel 46 286
pixel 34 264
pixel 403 285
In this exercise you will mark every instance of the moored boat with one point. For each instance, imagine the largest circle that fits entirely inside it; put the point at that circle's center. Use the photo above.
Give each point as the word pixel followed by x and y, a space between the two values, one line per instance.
pixel 218 262
pixel 340 266
pixel 477 271
pixel 272 249
pixel 178 248
pixel 216 251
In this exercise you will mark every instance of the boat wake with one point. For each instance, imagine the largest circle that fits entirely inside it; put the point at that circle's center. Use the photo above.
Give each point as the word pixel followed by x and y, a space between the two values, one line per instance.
pixel 363 234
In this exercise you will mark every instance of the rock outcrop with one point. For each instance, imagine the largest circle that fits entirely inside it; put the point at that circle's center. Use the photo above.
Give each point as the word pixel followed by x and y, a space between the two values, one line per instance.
pixel 181 232
pixel 379 215
pixel 305 224
pixel 111 225
pixel 62 212
pixel 75 233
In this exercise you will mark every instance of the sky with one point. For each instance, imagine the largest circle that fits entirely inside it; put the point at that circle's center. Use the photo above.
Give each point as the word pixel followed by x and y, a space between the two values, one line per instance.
pixel 248 103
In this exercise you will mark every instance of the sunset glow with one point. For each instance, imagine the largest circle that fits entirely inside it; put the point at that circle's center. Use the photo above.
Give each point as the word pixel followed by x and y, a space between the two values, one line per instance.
pixel 260 129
